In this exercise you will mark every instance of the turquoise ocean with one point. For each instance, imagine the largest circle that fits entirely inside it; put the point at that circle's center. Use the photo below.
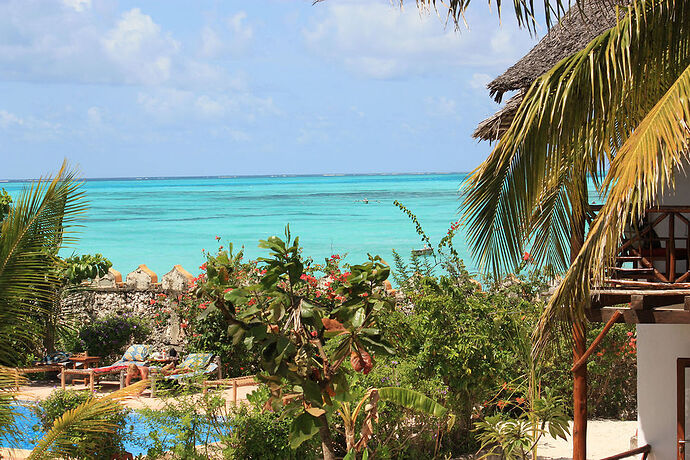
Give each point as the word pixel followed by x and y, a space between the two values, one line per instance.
pixel 162 222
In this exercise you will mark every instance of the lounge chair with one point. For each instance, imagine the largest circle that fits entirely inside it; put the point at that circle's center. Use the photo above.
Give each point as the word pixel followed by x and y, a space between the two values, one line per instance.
pixel 137 354
pixel 194 365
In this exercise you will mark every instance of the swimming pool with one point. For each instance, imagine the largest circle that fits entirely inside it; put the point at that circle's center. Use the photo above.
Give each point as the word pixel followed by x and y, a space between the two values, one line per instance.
pixel 141 441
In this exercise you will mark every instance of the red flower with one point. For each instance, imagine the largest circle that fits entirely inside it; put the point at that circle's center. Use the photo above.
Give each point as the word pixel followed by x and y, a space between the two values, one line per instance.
pixel 314 333
pixel 217 238
pixel 526 257
pixel 501 404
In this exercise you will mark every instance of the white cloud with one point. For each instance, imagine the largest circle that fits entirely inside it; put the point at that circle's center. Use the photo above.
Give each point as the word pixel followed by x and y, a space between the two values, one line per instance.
pixel 142 51
pixel 172 105
pixel 7 119
pixel 231 36
pixel 94 115
pixel 480 80
pixel 441 106
pixel 211 43
pixel 77 5
pixel 77 42
pixel 378 39
pixel 242 32
pixel 28 128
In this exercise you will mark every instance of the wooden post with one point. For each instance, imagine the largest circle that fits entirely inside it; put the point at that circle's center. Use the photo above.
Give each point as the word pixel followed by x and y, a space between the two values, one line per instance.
pixel 579 350
pixel 579 394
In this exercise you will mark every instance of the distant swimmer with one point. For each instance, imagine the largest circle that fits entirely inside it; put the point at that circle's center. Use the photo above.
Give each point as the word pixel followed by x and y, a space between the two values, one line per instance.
pixel 367 201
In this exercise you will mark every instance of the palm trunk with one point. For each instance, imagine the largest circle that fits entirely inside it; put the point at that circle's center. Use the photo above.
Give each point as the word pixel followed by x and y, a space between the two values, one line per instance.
pixel 326 440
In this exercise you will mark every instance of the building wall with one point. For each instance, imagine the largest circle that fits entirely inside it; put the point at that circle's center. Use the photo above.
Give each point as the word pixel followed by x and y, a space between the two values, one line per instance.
pixel 135 296
pixel 658 347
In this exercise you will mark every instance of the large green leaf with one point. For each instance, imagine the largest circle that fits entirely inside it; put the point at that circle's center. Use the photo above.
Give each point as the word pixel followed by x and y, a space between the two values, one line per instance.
pixel 303 428
pixel 413 400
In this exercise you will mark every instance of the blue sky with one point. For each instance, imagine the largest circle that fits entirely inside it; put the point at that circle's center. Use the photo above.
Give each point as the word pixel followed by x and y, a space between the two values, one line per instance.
pixel 171 88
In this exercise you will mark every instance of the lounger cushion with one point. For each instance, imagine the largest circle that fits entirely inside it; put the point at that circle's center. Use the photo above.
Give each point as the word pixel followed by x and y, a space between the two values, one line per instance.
pixel 136 353
pixel 209 369
pixel 196 361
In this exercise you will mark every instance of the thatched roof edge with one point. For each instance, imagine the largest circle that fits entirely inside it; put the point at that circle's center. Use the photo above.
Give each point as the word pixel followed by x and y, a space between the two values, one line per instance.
pixel 579 26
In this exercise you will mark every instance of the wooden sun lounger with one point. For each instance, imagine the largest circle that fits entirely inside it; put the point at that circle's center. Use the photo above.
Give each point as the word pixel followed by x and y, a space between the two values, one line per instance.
pixel 35 370
pixel 91 376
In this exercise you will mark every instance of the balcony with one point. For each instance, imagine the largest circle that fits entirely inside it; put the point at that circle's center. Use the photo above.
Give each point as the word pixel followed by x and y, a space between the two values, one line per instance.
pixel 655 253
pixel 649 281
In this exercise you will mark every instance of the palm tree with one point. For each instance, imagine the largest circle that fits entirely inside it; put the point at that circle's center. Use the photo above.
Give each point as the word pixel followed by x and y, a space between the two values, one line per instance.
pixel 617 112
pixel 35 228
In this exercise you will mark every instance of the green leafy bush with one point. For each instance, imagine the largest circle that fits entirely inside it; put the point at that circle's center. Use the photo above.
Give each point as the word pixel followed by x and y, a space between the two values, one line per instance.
pixel 107 337
pixel 186 426
pixel 84 444
pixel 87 266
pixel 259 435
pixel 210 334
pixel 612 374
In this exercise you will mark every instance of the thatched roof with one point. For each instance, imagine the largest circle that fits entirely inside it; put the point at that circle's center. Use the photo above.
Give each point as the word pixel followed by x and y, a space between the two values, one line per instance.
pixel 492 128
pixel 579 26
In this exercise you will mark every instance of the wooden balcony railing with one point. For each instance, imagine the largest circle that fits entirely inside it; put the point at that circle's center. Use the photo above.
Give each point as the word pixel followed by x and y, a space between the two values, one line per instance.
pixel 655 252
pixel 644 450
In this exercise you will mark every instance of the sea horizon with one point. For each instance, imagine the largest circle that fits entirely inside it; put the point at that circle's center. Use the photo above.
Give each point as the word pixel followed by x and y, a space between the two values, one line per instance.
pixel 164 221
pixel 239 176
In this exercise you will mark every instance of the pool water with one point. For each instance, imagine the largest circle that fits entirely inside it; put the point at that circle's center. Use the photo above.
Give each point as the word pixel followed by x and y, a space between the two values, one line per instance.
pixel 27 422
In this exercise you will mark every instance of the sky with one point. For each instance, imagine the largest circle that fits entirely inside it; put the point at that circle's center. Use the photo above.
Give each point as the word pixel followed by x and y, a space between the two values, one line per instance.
pixel 180 88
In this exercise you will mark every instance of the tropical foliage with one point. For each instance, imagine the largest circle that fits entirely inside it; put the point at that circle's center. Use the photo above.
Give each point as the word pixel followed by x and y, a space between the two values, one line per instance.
pixel 107 337
pixel 39 223
pixel 616 112
pixel 81 442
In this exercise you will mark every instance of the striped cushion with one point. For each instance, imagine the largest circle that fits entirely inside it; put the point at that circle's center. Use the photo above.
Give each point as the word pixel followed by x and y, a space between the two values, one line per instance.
pixel 196 361
pixel 136 353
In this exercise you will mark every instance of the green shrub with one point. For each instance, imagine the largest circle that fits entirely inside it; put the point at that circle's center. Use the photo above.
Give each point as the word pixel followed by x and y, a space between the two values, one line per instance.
pixel 186 426
pixel 107 337
pixel 211 335
pixel 84 444
pixel 261 435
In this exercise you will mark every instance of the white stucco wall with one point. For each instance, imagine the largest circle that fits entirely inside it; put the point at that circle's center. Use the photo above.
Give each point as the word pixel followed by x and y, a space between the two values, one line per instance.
pixel 658 347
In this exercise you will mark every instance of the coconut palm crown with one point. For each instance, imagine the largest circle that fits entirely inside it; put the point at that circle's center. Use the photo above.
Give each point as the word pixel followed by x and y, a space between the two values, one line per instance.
pixel 617 112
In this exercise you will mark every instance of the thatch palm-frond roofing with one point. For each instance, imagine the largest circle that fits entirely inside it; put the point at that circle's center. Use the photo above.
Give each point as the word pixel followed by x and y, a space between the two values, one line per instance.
pixel 579 26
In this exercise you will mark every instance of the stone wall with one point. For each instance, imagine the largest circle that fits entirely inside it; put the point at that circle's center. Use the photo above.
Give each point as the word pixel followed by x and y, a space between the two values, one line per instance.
pixel 110 295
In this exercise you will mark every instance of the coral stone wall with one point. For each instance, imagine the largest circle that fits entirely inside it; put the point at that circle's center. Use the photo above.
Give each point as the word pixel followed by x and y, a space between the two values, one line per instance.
pixel 134 297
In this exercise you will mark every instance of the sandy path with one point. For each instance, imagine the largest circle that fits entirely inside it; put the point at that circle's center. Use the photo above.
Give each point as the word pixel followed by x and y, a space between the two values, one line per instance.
pixel 604 438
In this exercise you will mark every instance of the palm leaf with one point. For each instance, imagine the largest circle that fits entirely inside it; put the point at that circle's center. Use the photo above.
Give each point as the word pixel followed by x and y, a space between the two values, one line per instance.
pixel 38 225
pixel 413 400
pixel 643 169
pixel 90 416
pixel 577 115
pixel 10 433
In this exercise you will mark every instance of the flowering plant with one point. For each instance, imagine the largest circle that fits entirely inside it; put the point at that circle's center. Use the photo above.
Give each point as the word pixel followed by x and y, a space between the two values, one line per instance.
pixel 304 328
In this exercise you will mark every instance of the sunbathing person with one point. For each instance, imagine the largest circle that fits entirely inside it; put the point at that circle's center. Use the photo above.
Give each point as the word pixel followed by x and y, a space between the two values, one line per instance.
pixel 134 371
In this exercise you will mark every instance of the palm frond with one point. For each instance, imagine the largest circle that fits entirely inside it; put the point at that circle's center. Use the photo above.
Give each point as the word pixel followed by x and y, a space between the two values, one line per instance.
pixel 643 169
pixel 41 221
pixel 90 416
pixel 10 433
pixel 579 113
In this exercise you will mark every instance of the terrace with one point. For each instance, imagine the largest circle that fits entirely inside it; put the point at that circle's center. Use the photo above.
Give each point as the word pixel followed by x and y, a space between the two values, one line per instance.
pixel 651 272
